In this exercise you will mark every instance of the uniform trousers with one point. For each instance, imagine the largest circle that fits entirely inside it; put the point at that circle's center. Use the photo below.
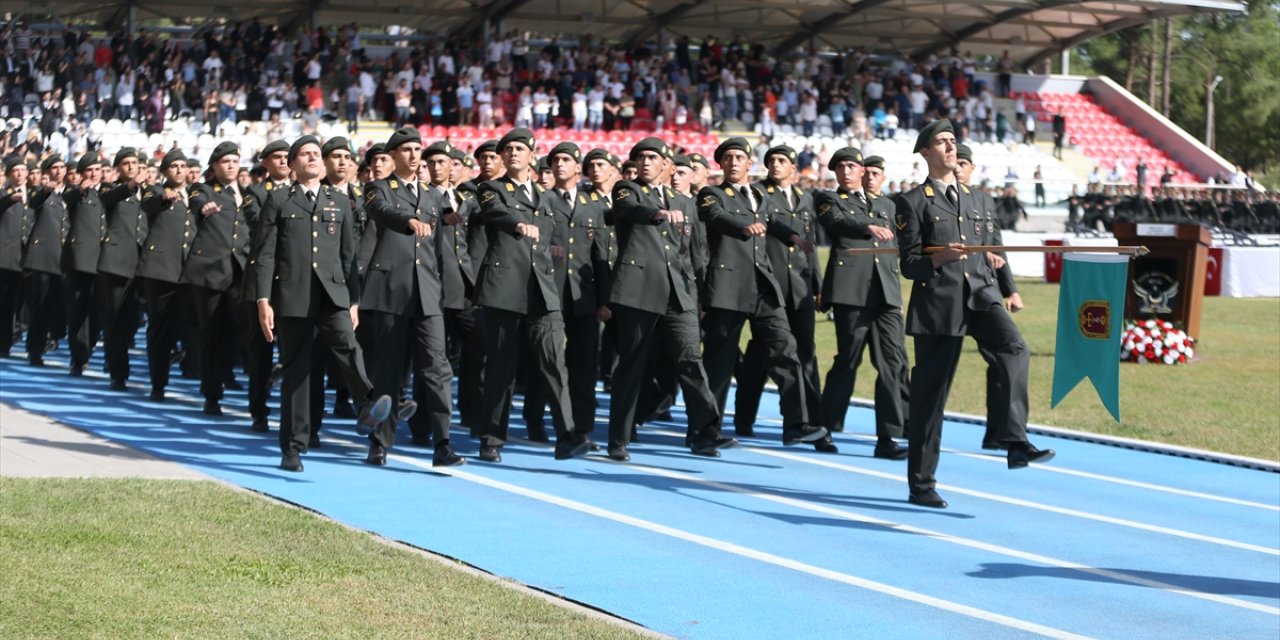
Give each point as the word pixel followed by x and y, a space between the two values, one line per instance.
pixel 82 318
pixel 44 293
pixel 543 331
pixel 722 330
pixel 753 370
pixel 120 310
pixel 879 327
pixel 425 338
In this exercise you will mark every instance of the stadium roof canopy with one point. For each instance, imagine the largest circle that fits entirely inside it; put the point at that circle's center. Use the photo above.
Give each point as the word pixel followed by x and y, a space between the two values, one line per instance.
pixel 1029 29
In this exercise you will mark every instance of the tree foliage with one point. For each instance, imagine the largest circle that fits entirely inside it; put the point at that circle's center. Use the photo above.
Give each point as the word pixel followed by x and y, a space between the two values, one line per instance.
pixel 1243 48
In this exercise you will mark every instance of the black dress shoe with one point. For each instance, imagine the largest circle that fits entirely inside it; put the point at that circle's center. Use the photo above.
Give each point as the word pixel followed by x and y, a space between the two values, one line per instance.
pixel 825 445
pixel 491 452
pixel 377 455
pixel 291 461
pixel 157 394
pixel 571 447
pixel 744 430
pixel 406 410
pixel 119 385
pixel 711 447
pixel 991 444
pixel 444 456
pixel 619 453
pixel 928 498
pixel 890 450
pixel 1023 453
pixel 313 441
pixel 592 446
pixel 260 425
pixel 802 433
pixel 343 409
pixel 77 370
pixel 373 414
pixel 536 433
pixel 212 408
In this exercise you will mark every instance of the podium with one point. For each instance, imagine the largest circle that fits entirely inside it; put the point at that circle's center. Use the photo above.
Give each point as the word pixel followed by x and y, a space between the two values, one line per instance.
pixel 1167 283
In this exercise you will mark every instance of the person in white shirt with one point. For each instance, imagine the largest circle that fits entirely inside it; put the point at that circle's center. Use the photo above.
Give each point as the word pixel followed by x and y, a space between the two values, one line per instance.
pixel 579 109
pixel 484 107
pixel 541 108
pixel 595 108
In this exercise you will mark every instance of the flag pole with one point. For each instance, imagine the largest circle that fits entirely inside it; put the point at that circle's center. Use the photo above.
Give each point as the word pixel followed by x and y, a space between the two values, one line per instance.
pixel 1136 251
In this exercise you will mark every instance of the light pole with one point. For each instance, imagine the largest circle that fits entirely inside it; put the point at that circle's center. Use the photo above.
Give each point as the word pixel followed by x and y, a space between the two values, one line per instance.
pixel 1210 87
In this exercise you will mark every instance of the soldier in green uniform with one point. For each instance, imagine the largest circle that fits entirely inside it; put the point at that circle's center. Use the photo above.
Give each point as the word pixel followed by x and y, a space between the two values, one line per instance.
pixel 654 301
pixel 796 268
pixel 118 263
pixel 864 294
pixel 15 228
pixel 42 257
pixel 171 228
pixel 80 259
pixel 741 288
pixel 954 295
pixel 300 267
pixel 517 289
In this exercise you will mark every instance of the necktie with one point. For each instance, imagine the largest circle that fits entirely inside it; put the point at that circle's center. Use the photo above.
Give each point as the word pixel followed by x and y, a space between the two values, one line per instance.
pixel 413 190
pixel 236 194
pixel 746 193
pixel 861 197
pixel 524 191
pixel 790 202
pixel 311 197
pixel 951 194
pixel 567 198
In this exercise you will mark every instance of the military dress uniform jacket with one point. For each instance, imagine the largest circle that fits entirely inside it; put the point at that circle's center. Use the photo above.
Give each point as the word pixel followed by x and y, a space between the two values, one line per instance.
pixel 15 228
pixel 927 218
pixel 295 238
pixel 49 224
pixel 795 270
pixel 403 266
pixel 127 229
pixel 88 222
pixel 653 262
pixel 739 273
pixel 848 221
pixel 222 238
pixel 515 272
pixel 580 229
pixel 993 237
pixel 457 271
pixel 172 227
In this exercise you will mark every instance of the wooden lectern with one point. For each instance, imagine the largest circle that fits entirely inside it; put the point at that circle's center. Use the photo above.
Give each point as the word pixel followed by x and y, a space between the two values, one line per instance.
pixel 1167 283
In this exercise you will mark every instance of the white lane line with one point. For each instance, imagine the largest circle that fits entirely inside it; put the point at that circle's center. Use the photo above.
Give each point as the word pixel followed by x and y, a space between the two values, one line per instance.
pixel 747 552
pixel 814 461
pixel 1055 468
pixel 966 542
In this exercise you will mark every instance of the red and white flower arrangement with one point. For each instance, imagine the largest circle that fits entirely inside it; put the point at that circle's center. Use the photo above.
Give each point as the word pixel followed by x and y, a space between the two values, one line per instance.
pixel 1155 341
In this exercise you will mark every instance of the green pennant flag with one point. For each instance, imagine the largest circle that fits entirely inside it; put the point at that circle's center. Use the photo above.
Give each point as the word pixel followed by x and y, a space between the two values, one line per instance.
pixel 1090 324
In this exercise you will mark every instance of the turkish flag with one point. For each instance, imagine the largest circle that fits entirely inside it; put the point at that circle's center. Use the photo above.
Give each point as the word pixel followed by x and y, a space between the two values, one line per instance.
pixel 1213 272
pixel 1053 263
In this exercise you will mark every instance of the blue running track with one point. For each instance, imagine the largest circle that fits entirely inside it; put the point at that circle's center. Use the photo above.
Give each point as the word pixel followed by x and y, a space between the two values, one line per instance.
pixel 770 541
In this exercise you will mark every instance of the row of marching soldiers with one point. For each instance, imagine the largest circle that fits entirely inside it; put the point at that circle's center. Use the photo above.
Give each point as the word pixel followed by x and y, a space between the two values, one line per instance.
pixel 395 275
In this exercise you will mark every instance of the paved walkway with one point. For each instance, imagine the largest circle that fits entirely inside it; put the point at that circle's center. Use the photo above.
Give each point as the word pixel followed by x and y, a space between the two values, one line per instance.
pixel 34 446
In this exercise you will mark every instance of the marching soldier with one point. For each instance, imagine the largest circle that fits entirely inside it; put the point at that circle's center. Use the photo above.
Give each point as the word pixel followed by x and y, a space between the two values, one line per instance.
pixel 463 322
pixel 127 229
pixel 15 228
pixel 601 169
pixel 654 301
pixel 865 296
pixel 171 229
pixel 954 295
pixel 796 269
pixel 80 259
pixel 579 245
pixel 741 288
pixel 521 303
pixel 339 174
pixel 42 257
pixel 308 223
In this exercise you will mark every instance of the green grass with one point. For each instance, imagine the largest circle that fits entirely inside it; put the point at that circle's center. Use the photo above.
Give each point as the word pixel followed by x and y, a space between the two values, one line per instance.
pixel 166 559
pixel 1227 401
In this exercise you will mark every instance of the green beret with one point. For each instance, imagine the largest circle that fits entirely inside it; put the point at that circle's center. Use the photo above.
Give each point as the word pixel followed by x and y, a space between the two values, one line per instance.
pixel 467 161
pixel 615 161
pixel 848 153
pixel 13 161
pixel 653 144
pixel 459 155
pixel 740 144
pixel 124 154
pixel 596 154
pixel 88 160
pixel 440 148
pixel 378 149
pixel 930 130
pixel 403 135
pixel 521 135
pixel 298 144
pixel 223 150
pixel 488 146
pixel 567 148
pixel 682 160
pixel 541 165
pixel 336 143
pixel 963 152
pixel 781 150
pixel 174 155
pixel 698 158
pixel 192 163
pixel 873 161
pixel 272 147
pixel 52 160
